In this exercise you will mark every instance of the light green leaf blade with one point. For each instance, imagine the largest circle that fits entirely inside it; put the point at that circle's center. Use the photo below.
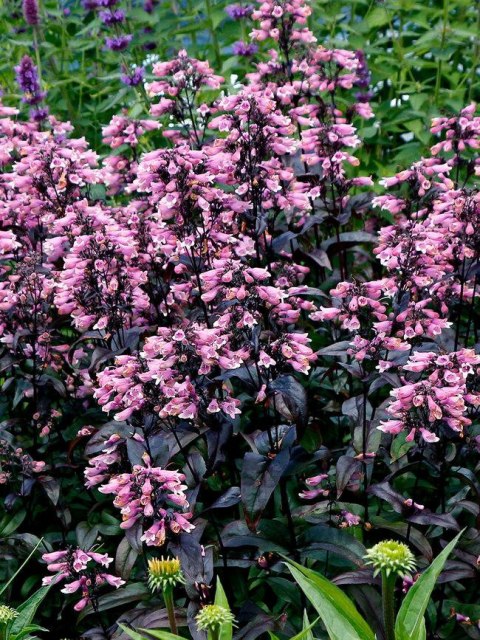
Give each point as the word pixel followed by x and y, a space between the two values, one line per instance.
pixel 162 635
pixel 152 633
pixel 28 609
pixel 336 610
pixel 7 584
pixel 306 632
pixel 226 630
pixel 131 633
pixel 410 623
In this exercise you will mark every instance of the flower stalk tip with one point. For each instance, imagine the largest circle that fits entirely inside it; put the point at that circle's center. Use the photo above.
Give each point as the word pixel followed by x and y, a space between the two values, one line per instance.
pixel 391 557
pixel 212 616
pixel 164 573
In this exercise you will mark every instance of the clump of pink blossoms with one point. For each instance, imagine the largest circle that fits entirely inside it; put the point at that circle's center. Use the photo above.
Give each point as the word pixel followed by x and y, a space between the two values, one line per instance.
pixel 82 571
pixel 151 495
pixel 440 397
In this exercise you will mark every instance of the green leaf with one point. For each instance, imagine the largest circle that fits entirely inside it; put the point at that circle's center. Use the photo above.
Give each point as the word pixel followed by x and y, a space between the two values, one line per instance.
pixel 162 635
pixel 28 609
pixel 306 632
pixel 377 18
pixel 10 524
pixel 131 633
pixel 5 586
pixel 152 633
pixel 24 634
pixel 337 611
pixel 226 630
pixel 410 623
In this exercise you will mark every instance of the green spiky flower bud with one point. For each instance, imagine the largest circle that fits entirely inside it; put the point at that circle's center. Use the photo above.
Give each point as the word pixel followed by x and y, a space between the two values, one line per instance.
pixel 164 573
pixel 7 614
pixel 212 616
pixel 392 557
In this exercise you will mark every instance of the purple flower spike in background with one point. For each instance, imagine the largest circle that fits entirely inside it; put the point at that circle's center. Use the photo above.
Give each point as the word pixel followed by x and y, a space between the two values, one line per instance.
pixel 363 72
pixel 244 48
pixel 38 114
pixel 132 77
pixel 110 18
pixel 28 81
pixel 118 43
pixel 107 3
pixel 239 11
pixel 90 5
pixel 30 12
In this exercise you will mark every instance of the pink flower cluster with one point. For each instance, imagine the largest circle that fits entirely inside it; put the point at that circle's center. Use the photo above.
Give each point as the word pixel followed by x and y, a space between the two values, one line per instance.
pixel 282 19
pixel 429 255
pixel 151 494
pixel 439 398
pixel 124 130
pixel 83 571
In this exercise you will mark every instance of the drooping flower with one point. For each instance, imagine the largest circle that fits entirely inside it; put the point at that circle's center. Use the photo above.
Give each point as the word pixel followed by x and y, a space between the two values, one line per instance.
pixel 154 497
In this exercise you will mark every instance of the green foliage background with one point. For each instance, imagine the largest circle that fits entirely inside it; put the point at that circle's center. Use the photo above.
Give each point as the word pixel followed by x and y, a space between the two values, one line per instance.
pixel 424 58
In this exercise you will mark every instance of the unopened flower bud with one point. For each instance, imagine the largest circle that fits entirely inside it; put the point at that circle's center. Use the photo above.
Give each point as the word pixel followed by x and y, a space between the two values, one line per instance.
pixel 163 573
pixel 212 616
pixel 7 614
pixel 392 557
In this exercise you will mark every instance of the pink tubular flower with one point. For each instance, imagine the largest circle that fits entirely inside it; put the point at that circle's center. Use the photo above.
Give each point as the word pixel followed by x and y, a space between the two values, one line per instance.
pixel 151 495
pixel 82 572
pixel 439 399
pixel 315 481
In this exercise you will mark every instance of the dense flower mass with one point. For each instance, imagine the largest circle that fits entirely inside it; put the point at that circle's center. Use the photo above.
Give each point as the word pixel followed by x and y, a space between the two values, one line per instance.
pixel 224 332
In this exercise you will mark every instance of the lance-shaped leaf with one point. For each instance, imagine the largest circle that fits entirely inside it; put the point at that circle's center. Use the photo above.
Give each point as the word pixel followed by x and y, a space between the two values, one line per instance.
pixel 152 633
pixel 28 609
pixel 410 623
pixel 226 629
pixel 338 613
pixel 259 478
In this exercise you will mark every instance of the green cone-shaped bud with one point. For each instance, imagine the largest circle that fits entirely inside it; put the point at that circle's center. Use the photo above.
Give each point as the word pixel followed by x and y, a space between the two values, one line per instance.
pixel 392 557
pixel 7 614
pixel 163 573
pixel 212 616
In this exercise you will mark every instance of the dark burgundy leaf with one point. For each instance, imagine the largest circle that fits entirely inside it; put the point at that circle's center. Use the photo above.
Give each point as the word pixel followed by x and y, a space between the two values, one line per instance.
pixel 229 499
pixel 347 466
pixel 259 477
pixel 292 394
